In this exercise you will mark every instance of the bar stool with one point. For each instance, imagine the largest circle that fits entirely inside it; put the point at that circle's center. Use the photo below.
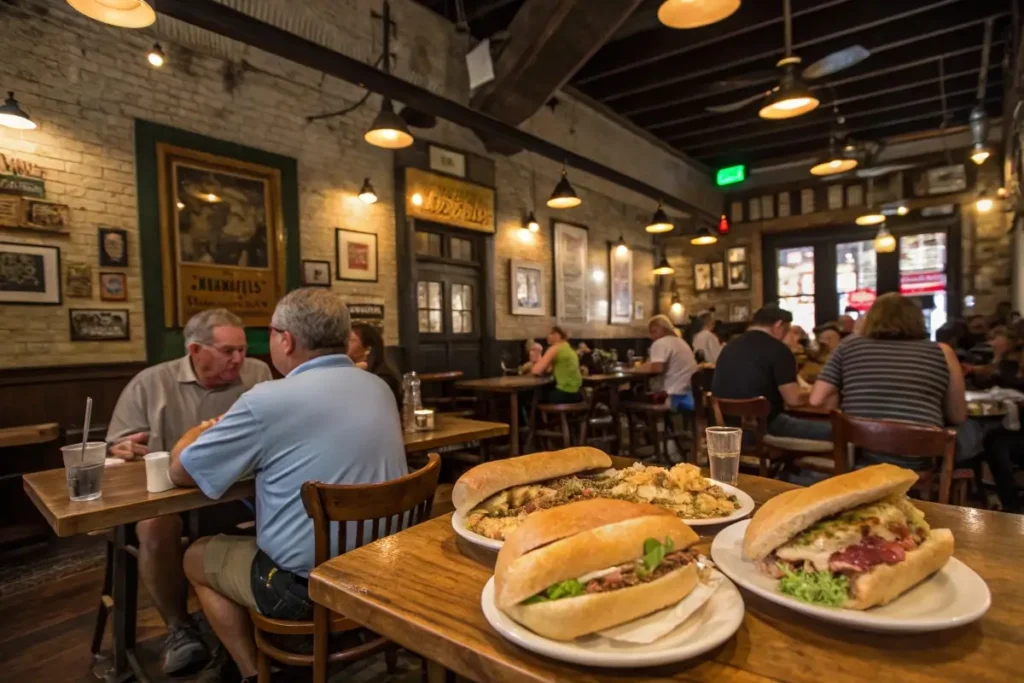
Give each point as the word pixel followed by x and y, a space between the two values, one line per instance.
pixel 559 421
pixel 645 417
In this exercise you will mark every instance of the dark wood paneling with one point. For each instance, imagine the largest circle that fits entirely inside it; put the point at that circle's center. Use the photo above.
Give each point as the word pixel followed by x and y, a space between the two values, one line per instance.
pixel 35 395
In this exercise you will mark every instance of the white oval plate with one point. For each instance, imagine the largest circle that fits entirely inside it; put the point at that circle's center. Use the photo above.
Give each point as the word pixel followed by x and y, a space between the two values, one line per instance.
pixel 745 501
pixel 711 626
pixel 953 596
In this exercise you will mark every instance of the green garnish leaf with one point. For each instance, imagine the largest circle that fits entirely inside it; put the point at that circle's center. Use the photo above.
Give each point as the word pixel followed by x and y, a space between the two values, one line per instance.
pixel 655 552
pixel 816 588
pixel 570 588
pixel 539 597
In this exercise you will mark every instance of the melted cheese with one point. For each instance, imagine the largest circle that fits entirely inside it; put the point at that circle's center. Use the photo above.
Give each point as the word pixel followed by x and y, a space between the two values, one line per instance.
pixel 598 574
pixel 818 551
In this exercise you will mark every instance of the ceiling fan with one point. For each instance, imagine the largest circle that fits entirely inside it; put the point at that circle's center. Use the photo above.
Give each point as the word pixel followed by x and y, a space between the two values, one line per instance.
pixel 790 97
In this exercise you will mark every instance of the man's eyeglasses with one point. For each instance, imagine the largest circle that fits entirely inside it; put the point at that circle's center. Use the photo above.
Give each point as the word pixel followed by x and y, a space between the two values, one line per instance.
pixel 228 350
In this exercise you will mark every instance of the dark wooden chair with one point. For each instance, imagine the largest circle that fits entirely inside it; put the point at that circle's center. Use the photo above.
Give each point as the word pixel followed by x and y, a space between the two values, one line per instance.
pixel 654 421
pixel 562 424
pixel 374 511
pixel 752 415
pixel 439 393
pixel 910 441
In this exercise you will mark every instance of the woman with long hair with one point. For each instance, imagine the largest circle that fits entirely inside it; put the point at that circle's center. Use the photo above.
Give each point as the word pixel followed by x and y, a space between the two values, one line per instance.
pixel 366 349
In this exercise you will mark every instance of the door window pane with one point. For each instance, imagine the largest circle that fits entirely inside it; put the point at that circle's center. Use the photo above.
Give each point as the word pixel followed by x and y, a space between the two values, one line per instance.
pixel 428 301
pixel 923 275
pixel 462 309
pixel 856 269
pixel 428 244
pixel 461 250
pixel 796 284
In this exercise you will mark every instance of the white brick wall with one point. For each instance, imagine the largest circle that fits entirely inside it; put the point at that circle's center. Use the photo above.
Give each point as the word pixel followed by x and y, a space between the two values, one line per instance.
pixel 84 84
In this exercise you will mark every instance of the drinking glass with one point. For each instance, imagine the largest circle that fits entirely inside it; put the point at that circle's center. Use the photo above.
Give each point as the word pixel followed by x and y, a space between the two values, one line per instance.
pixel 84 472
pixel 724 453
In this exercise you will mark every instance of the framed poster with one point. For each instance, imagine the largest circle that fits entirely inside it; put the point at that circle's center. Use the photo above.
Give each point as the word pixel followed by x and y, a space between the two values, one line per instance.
pixel 447 161
pixel 739 276
pixel 835 197
pixel 639 310
pixel 784 209
pixel 29 274
pixel 526 284
pixel 739 313
pixel 113 287
pixel 807 201
pixel 79 281
pixel 737 255
pixel 41 214
pixel 113 245
pixel 91 324
pixel 570 272
pixel 355 255
pixel 754 209
pixel 316 273
pixel 718 275
pixel 620 282
pixel 736 212
pixel 222 235
pixel 702 277
pixel 767 207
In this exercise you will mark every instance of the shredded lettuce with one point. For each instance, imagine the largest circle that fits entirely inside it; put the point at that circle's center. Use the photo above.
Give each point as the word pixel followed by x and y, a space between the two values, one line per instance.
pixel 556 591
pixel 817 588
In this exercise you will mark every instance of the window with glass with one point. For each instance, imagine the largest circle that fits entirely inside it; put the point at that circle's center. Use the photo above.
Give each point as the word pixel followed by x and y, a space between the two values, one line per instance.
pixel 428 244
pixel 796 284
pixel 461 250
pixel 428 301
pixel 923 275
pixel 856 269
pixel 462 309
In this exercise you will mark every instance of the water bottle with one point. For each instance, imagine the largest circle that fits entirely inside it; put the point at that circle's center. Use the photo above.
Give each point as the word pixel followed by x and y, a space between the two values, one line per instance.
pixel 411 400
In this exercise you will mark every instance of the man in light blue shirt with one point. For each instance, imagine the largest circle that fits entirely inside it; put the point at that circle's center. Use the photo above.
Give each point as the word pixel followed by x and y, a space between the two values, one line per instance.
pixel 326 421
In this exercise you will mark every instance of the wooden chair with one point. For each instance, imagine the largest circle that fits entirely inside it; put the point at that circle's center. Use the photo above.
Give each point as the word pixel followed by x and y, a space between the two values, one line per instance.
pixel 440 394
pixel 558 423
pixel 906 440
pixel 376 511
pixel 753 417
pixel 655 421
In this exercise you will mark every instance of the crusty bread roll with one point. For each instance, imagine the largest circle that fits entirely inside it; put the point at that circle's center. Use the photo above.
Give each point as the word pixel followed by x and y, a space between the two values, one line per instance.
pixel 789 513
pixel 886 582
pixel 574 617
pixel 483 481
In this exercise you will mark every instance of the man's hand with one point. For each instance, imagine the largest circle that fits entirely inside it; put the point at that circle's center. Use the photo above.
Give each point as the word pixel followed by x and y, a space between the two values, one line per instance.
pixel 133 446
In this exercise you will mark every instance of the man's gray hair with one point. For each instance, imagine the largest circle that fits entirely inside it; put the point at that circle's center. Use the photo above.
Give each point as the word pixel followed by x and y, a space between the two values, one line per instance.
pixel 199 328
pixel 664 322
pixel 317 318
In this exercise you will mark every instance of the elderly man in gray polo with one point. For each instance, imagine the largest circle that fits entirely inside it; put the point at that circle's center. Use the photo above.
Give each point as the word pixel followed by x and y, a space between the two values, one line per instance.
pixel 159 405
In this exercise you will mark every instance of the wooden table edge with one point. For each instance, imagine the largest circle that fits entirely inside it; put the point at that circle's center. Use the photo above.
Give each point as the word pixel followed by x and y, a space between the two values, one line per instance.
pixel 43 509
pixel 455 439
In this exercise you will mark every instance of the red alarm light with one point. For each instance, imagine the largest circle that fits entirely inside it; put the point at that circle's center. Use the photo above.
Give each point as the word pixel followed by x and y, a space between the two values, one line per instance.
pixel 723 225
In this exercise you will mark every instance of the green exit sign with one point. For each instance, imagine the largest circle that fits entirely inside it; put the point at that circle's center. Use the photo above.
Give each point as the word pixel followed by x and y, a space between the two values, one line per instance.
pixel 730 175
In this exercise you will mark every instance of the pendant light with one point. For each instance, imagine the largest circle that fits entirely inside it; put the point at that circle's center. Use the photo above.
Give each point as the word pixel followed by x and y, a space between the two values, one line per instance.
pixel 984 203
pixel 664 267
pixel 792 98
pixel 694 13
pixel 156 56
pixel 836 162
pixel 13 116
pixel 873 216
pixel 703 237
pixel 531 223
pixel 659 221
pixel 621 249
pixel 564 196
pixel 885 243
pixel 388 130
pixel 123 13
pixel 366 192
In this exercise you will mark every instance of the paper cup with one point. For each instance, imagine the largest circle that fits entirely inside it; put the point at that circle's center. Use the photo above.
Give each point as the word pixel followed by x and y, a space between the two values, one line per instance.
pixel 158 472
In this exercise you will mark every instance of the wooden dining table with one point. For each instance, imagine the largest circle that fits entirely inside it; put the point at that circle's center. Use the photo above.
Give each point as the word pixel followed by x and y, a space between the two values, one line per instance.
pixel 421 588
pixel 511 385
pixel 452 430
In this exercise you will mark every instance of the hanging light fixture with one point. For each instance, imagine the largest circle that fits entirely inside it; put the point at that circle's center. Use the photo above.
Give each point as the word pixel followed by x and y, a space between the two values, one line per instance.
pixel 366 193
pixel 694 13
pixel 835 162
pixel 123 13
pixel 885 243
pixel 659 221
pixel 664 267
pixel 620 247
pixel 902 210
pixel 388 130
pixel 531 223
pixel 870 218
pixel 156 56
pixel 984 203
pixel 13 116
pixel 704 237
pixel 792 98
pixel 564 196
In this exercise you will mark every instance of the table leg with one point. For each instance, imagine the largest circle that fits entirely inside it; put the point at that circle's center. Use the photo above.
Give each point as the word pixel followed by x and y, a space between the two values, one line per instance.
pixel 514 424
pixel 534 401
pixel 485 451
pixel 438 674
pixel 613 408
pixel 125 594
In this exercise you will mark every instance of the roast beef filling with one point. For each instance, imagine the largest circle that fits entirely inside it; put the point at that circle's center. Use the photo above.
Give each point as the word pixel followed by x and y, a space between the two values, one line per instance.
pixel 625 577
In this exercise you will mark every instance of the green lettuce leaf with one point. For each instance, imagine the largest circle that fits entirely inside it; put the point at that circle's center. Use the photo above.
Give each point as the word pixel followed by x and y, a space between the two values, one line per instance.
pixel 556 591
pixel 655 552
pixel 816 588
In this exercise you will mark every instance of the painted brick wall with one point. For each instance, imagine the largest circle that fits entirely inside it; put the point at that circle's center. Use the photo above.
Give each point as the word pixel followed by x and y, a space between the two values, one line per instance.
pixel 85 83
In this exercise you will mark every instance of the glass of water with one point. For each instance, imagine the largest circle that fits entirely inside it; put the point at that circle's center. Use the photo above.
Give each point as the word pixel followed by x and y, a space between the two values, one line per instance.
pixel 724 453
pixel 84 472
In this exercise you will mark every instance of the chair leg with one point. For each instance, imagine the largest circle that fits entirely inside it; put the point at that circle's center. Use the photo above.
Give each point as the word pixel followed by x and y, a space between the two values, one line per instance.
pixel 566 434
pixel 391 659
pixel 104 610
pixel 652 426
pixel 321 646
pixel 262 667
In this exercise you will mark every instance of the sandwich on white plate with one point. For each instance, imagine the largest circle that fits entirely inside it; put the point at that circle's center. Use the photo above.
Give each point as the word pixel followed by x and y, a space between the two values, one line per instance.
pixel 580 568
pixel 852 541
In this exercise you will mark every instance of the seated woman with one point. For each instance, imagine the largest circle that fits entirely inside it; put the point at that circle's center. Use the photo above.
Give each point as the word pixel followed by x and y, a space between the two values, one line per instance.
pixel 366 349
pixel 535 353
pixel 561 361
pixel 892 371
pixel 1005 368
pixel 827 338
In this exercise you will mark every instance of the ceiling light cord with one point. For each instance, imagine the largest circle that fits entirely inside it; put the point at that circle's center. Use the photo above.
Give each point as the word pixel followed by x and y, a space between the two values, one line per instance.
pixel 788 21
pixel 985 56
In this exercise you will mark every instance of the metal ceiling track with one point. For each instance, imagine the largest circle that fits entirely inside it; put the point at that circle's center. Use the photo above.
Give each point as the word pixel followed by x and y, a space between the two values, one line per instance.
pixel 224 21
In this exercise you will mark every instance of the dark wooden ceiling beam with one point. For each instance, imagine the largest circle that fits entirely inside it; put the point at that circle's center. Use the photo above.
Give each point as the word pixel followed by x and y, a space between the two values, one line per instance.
pixel 550 40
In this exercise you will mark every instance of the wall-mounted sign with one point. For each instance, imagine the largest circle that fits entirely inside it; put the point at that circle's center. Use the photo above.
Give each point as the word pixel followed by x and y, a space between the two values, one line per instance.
pixel 927 282
pixel 9 164
pixel 862 299
pixel 447 200
pixel 730 175
pixel 32 213
pixel 447 161
pixel 369 314
pixel 22 185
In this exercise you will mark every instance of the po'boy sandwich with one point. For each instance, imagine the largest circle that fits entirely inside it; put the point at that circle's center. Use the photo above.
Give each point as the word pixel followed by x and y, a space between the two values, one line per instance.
pixel 590 565
pixel 853 541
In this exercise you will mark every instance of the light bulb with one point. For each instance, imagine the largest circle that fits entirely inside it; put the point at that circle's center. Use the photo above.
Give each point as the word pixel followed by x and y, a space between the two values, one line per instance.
pixel 156 56
pixel 211 197
pixel 677 308
pixel 979 156
pixel 598 276
pixel 902 210
pixel 622 250
pixel 983 205
pixel 181 205
pixel 417 199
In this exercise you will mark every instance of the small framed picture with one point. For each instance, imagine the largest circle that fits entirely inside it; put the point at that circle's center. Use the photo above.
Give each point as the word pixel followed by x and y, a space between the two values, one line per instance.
pixel 737 255
pixel 113 248
pixel 113 287
pixel 754 209
pixel 92 324
pixel 784 209
pixel 835 197
pixel 807 201
pixel 736 212
pixel 40 214
pixel 739 276
pixel 527 287
pixel 29 274
pixel 767 207
pixel 316 273
pixel 855 195
pixel 78 282
pixel 739 313
pixel 718 275
pixel 702 277
pixel 639 310
pixel 356 255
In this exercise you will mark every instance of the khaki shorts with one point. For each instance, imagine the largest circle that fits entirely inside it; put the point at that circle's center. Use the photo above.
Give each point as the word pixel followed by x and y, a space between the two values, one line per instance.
pixel 227 562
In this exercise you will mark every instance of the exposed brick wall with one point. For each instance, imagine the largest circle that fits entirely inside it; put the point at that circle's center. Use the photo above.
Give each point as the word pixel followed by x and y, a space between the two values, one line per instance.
pixel 85 83
pixel 987 248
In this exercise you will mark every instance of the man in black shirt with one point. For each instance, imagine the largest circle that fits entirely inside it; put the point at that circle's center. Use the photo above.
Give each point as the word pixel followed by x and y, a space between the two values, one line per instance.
pixel 757 363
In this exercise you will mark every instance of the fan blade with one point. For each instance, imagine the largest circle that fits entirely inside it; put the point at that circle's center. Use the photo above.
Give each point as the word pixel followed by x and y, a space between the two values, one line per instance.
pixel 837 61
pixel 736 106
pixel 875 171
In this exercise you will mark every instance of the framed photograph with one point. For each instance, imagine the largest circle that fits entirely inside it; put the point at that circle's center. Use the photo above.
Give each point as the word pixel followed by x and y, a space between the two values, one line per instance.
pixel 835 197
pixel 718 275
pixel 739 276
pixel 113 248
pixel 570 272
pixel 79 281
pixel 702 277
pixel 316 273
pixel 639 310
pixel 807 201
pixel 113 287
pixel 739 313
pixel 94 324
pixel 10 211
pixel 737 255
pixel 736 212
pixel 526 284
pixel 620 283
pixel 855 195
pixel 355 254
pixel 767 207
pixel 29 274
pixel 784 209
pixel 447 161
pixel 40 214
pixel 754 209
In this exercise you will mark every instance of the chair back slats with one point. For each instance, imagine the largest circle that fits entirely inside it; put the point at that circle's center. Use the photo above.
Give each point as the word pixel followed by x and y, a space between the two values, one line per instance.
pixel 367 506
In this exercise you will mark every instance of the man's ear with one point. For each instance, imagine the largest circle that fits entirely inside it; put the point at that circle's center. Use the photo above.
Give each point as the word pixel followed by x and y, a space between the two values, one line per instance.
pixel 288 341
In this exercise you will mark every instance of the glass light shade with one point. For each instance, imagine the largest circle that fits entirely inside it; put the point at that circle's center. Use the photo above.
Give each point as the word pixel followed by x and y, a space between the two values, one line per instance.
pixel 902 210
pixel 156 56
pixel 564 196
pixel 531 223
pixel 123 13
pixel 870 219
pixel 664 267
pixel 677 308
pixel 885 243
pixel 833 166
pixel 984 205
pixel 366 192
pixel 980 154
pixel 416 199
pixel 704 237
pixel 694 13
pixel 621 249
pixel 659 222
pixel 792 98
pixel 13 116
pixel 388 130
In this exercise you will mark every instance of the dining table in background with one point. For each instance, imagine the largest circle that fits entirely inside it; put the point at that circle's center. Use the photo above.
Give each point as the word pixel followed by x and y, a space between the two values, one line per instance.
pixel 511 385
pixel 613 382
pixel 435 612
pixel 452 430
